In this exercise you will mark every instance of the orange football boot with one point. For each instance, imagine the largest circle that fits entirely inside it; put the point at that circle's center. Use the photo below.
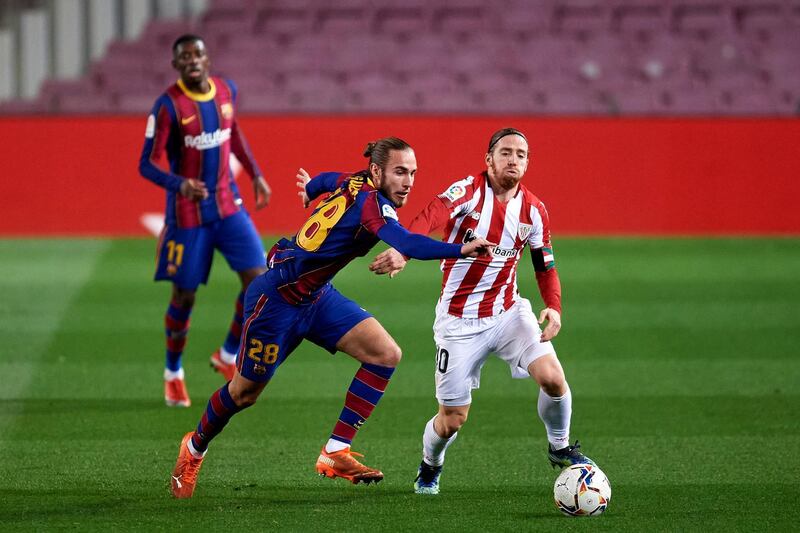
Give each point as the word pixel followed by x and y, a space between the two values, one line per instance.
pixel 184 476
pixel 343 464
pixel 226 369
pixel 175 393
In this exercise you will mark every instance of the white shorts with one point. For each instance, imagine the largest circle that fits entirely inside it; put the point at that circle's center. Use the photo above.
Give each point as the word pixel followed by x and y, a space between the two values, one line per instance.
pixel 464 344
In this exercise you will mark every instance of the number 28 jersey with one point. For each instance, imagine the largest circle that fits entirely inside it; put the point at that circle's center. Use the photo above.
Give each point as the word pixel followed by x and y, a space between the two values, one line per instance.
pixel 345 225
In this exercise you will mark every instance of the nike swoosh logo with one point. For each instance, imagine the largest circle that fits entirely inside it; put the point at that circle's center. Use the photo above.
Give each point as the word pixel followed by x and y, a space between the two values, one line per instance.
pixel 187 120
pixel 177 481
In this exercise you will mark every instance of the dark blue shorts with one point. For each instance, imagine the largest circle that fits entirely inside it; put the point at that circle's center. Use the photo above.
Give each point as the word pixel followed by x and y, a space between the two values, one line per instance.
pixel 273 327
pixel 185 254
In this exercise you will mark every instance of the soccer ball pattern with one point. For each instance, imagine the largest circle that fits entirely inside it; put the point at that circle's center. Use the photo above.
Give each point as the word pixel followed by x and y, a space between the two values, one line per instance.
pixel 582 490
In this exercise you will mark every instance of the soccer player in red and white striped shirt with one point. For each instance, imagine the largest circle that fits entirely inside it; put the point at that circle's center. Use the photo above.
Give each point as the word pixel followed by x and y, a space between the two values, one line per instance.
pixel 480 310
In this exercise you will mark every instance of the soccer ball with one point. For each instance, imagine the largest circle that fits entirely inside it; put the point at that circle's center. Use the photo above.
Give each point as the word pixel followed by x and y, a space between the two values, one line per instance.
pixel 582 490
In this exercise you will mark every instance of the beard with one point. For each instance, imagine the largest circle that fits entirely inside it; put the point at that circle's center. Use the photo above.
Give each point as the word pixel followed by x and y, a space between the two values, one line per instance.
pixel 506 181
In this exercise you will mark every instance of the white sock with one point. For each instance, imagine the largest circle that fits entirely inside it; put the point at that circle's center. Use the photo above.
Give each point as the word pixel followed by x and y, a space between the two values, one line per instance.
pixel 195 453
pixel 333 446
pixel 169 375
pixel 556 414
pixel 434 446
pixel 226 356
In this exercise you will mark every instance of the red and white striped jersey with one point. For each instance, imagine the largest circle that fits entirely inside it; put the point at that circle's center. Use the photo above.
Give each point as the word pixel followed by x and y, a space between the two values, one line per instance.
pixel 485 286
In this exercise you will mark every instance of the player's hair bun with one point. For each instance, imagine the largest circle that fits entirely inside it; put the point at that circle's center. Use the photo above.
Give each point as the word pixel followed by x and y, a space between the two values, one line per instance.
pixel 378 152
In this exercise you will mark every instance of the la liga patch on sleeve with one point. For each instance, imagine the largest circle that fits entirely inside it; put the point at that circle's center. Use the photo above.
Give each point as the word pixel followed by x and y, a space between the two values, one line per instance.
pixel 150 129
pixel 455 192
pixel 388 212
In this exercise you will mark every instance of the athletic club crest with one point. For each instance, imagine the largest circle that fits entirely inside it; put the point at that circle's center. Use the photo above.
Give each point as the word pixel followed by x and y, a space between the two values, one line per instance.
pixel 523 230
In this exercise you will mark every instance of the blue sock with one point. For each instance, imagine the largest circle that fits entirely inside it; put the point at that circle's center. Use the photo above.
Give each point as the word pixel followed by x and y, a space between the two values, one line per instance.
pixel 231 344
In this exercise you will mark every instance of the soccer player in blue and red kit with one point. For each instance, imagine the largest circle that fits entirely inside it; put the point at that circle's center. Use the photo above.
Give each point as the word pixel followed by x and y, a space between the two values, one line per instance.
pixel 295 300
pixel 194 122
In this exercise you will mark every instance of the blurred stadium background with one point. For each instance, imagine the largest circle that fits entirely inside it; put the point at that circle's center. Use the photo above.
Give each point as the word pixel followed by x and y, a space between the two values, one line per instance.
pixel 575 57
pixel 664 138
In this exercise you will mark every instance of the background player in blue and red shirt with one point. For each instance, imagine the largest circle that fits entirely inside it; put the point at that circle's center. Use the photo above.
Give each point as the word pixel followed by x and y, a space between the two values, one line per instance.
pixel 194 123
pixel 295 300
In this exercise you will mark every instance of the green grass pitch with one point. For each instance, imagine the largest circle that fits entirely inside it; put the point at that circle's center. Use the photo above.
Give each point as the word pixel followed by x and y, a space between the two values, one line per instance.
pixel 682 355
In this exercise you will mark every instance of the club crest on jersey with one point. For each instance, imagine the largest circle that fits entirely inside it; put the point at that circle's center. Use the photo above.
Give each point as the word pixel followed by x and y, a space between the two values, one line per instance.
pixel 388 211
pixel 227 110
pixel 523 230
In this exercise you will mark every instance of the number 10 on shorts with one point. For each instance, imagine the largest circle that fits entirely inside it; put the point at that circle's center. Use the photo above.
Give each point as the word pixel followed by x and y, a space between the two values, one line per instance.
pixel 442 358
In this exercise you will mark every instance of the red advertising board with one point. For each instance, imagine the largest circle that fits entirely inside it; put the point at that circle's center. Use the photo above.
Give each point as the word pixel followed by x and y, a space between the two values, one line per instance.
pixel 79 176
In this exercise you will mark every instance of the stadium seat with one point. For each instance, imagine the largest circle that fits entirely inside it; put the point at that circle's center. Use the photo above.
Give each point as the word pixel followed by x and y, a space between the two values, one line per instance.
pixel 401 21
pixel 787 100
pixel 747 102
pixel 758 20
pixel 133 103
pixel 160 34
pixel 581 19
pixel 540 58
pixel 454 100
pixel 52 90
pixel 663 60
pixel 639 22
pixel 461 21
pixel 639 102
pixel 522 22
pixel 434 83
pixel 226 22
pixel 284 24
pixel 511 100
pixel 597 62
pixel 781 66
pixel 120 80
pixel 597 53
pixel 690 101
pixel 86 103
pixel 24 106
pixel 344 17
pixel 389 99
pixel 701 20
